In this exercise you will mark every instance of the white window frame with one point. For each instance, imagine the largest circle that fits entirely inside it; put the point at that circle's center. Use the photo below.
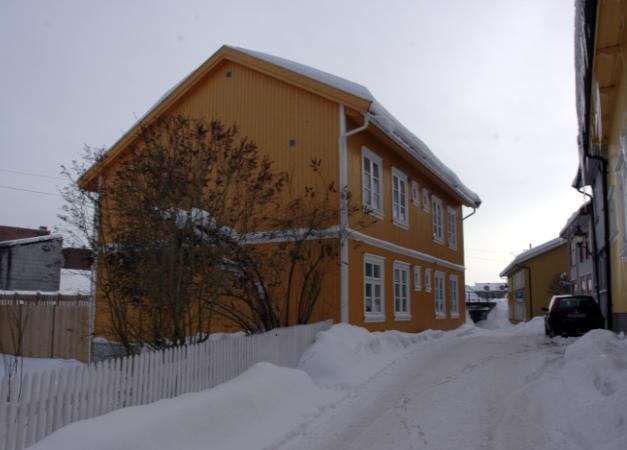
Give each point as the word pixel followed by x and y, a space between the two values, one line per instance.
pixel 401 269
pixel 426 203
pixel 438 219
pixel 376 210
pixel 453 288
pixel 417 278
pixel 375 260
pixel 400 208
pixel 451 217
pixel 415 193
pixel 439 295
pixel 428 280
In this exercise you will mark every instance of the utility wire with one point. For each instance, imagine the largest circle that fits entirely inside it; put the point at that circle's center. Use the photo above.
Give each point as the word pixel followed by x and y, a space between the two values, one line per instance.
pixel 30 174
pixel 30 190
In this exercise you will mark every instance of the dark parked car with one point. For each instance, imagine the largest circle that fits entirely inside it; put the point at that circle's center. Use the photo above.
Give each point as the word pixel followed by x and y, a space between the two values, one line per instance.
pixel 572 315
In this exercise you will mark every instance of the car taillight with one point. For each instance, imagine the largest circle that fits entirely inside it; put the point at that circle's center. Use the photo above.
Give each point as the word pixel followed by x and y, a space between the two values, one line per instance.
pixel 554 307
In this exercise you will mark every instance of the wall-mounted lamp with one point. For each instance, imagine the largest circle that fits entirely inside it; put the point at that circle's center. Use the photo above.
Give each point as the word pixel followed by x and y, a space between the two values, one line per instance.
pixel 579 239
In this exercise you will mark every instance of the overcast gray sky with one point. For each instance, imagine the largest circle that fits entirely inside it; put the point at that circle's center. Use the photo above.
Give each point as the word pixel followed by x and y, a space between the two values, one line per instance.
pixel 488 85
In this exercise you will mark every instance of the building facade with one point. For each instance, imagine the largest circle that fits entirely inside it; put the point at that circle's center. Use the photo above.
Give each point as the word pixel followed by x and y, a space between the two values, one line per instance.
pixel 534 276
pixel 578 233
pixel 31 264
pixel 601 81
pixel 406 271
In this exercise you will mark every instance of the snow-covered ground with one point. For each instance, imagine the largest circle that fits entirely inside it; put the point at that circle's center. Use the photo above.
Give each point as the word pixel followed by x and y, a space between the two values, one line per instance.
pixel 507 387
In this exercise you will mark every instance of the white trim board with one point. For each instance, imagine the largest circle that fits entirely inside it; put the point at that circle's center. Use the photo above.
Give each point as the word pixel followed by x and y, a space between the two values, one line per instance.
pixel 375 242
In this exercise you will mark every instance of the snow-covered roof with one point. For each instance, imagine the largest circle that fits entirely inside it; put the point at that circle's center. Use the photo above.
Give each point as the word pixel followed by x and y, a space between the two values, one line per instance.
pixel 31 240
pixel 323 77
pixel 382 119
pixel 574 216
pixel 532 253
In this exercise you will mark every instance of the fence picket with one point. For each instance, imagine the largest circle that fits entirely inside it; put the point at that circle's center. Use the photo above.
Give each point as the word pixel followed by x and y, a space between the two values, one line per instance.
pixel 23 404
pixel 47 401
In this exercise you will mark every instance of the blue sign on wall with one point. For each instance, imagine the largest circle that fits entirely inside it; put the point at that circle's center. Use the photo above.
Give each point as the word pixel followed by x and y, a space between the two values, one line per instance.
pixel 519 296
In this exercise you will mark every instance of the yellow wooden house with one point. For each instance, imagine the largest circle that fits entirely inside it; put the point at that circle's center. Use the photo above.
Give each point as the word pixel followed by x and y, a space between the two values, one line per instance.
pixel 406 271
pixel 601 77
pixel 530 275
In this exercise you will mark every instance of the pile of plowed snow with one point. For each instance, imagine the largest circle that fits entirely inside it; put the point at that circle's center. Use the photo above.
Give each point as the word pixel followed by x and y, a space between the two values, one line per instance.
pixel 595 379
pixel 246 412
pixel 345 355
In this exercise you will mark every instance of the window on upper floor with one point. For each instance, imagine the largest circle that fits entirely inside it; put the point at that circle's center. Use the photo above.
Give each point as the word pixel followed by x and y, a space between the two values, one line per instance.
pixel 399 198
pixel 426 204
pixel 374 288
pixel 372 182
pixel 452 228
pixel 438 227
pixel 453 290
pixel 401 291
pixel 417 278
pixel 415 193
pixel 440 306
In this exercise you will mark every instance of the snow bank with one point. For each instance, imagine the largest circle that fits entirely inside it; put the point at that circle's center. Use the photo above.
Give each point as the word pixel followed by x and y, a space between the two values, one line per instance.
pixel 595 378
pixel 345 355
pixel 250 411
pixel 498 318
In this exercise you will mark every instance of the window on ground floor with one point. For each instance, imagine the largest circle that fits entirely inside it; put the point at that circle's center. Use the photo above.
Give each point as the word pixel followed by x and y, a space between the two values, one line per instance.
pixel 374 284
pixel 401 290
pixel 417 278
pixel 440 307
pixel 428 280
pixel 453 295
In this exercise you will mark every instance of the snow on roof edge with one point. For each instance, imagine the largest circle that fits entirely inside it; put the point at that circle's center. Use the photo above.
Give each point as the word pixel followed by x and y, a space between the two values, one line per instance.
pixel 31 240
pixel 533 252
pixel 382 118
pixel 329 79
pixel 391 126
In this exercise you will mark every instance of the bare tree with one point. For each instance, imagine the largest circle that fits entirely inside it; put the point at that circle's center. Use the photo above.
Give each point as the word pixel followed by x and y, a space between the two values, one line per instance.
pixel 16 320
pixel 194 225
pixel 559 284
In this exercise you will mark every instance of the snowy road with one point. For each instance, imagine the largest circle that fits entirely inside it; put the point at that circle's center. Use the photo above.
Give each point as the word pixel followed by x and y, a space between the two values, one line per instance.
pixel 505 388
pixel 477 390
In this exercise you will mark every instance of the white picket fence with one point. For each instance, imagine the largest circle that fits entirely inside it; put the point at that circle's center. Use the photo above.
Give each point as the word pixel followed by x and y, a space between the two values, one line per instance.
pixel 46 401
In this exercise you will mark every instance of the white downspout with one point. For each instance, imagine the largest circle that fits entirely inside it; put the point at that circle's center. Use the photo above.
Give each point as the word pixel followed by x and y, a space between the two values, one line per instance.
pixel 344 208
pixel 91 323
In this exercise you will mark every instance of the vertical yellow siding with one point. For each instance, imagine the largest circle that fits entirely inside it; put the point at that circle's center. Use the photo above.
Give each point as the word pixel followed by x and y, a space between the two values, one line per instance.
pixel 271 113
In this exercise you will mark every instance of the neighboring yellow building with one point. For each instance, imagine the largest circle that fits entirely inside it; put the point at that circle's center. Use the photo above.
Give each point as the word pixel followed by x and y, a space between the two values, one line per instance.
pixel 406 271
pixel 601 55
pixel 530 276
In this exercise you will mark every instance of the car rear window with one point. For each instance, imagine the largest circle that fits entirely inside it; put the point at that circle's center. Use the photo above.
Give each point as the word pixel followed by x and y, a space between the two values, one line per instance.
pixel 581 304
